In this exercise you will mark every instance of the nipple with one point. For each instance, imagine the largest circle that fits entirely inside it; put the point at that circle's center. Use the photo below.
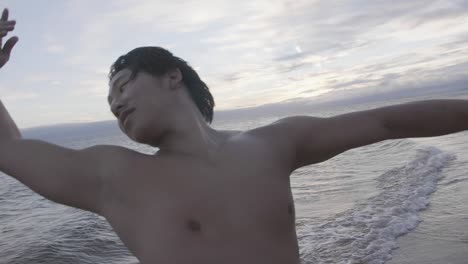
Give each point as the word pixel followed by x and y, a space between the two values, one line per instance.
pixel 194 225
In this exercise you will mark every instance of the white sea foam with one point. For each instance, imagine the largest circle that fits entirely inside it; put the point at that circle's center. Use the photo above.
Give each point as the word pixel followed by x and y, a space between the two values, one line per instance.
pixel 368 232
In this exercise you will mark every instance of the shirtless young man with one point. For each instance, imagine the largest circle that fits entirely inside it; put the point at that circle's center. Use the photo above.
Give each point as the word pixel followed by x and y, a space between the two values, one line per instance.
pixel 207 196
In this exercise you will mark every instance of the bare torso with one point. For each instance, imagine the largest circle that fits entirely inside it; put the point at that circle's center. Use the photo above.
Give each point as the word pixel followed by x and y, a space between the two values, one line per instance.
pixel 236 207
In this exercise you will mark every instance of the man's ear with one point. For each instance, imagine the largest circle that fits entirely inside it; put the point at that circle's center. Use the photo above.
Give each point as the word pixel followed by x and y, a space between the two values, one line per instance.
pixel 175 78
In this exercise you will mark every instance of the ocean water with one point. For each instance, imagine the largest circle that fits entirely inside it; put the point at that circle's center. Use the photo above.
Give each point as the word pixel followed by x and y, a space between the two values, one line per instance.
pixel 397 201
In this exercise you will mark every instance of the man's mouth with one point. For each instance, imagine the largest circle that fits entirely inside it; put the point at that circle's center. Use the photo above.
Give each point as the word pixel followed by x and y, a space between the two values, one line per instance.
pixel 124 115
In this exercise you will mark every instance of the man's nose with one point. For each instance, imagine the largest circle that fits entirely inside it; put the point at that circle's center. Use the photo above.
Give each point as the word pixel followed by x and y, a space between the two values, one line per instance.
pixel 116 107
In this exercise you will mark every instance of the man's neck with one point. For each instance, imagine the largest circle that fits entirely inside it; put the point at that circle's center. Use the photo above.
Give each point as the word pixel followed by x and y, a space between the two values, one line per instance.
pixel 191 136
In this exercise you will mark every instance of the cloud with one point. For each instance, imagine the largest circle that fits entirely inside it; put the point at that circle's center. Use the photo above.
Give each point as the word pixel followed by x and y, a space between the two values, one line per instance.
pixel 52 44
pixel 306 105
pixel 55 49
pixel 14 96
pixel 264 36
pixel 38 77
pixel 441 10
pixel 457 42
pixel 92 88
pixel 264 51
pixel 348 40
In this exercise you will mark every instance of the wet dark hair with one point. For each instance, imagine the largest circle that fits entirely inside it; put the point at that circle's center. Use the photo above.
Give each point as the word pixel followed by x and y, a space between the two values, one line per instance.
pixel 158 61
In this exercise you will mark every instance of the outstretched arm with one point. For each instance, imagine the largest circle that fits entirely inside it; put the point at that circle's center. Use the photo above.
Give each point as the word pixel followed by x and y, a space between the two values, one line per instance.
pixel 425 118
pixel 66 176
pixel 312 140
pixel 9 129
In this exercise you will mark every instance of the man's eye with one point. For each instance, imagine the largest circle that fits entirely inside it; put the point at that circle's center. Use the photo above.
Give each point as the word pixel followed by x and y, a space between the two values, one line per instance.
pixel 123 86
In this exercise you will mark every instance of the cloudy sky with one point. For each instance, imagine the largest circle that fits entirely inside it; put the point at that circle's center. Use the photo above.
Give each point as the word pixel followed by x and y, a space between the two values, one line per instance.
pixel 250 53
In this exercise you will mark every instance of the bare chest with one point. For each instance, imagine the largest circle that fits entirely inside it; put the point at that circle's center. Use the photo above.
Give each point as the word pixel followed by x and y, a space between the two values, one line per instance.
pixel 233 207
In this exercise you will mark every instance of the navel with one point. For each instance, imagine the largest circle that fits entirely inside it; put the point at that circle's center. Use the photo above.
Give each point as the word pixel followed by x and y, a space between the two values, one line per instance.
pixel 194 225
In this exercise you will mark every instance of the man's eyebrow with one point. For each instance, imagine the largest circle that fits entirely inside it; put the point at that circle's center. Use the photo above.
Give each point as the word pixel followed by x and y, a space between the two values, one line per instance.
pixel 112 87
pixel 116 82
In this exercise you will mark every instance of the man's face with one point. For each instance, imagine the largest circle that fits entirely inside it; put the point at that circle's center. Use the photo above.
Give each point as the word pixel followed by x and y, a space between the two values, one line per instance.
pixel 140 104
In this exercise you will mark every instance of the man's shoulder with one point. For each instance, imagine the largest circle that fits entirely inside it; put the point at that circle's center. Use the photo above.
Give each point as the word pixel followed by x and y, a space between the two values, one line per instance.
pixel 274 137
pixel 112 149
pixel 275 129
pixel 112 155
pixel 117 163
pixel 280 128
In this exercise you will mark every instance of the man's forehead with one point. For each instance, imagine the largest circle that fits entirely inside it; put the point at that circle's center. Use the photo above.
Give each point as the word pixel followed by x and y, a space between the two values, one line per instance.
pixel 122 74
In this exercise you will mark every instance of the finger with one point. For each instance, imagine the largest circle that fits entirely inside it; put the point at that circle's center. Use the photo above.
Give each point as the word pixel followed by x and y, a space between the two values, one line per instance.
pixel 9 45
pixel 2 34
pixel 8 23
pixel 7 27
pixel 4 15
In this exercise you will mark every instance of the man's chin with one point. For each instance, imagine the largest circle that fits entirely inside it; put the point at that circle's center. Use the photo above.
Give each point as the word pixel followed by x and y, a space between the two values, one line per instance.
pixel 127 133
pixel 134 135
pixel 144 138
pixel 126 129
